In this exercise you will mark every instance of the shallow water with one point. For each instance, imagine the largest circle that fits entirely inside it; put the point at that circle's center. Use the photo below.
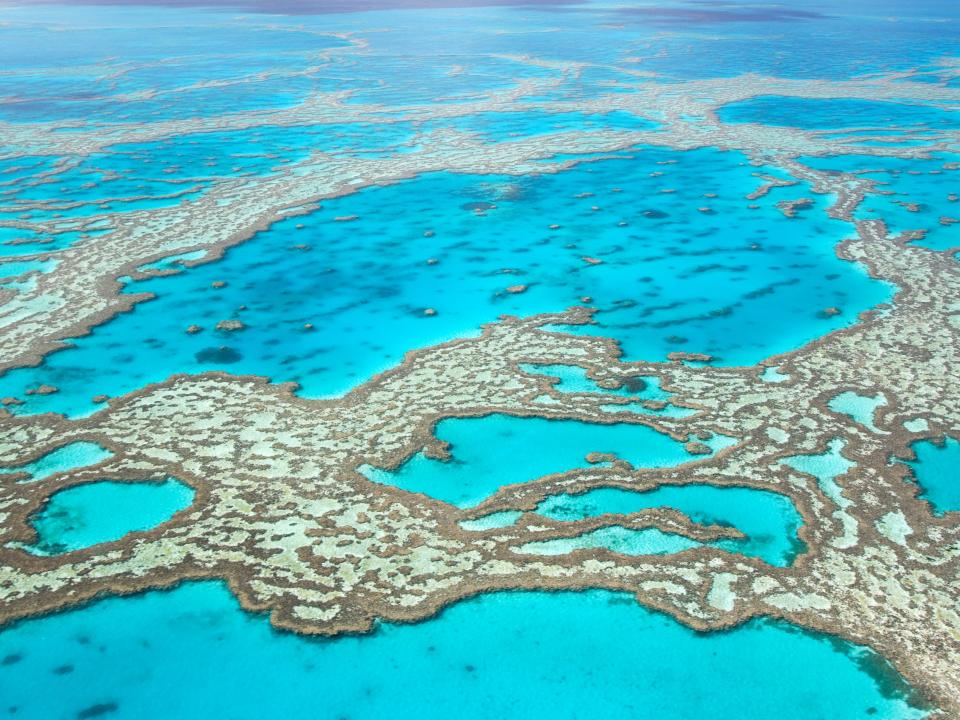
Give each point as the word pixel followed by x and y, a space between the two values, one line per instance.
pixel 739 284
pixel 678 270
pixel 915 194
pixel 69 457
pixel 574 379
pixel 626 541
pixel 773 374
pixel 826 467
pixel 503 126
pixel 935 470
pixel 497 450
pixel 861 408
pixel 769 520
pixel 832 113
pixel 85 515
pixel 506 655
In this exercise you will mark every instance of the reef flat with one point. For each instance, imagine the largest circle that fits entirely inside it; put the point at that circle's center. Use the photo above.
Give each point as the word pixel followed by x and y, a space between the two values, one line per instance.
pixel 282 514
pixel 301 504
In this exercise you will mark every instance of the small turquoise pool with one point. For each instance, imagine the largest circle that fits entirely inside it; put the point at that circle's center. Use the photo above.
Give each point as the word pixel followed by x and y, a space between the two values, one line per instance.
pixel 935 470
pixel 769 520
pixel 98 512
pixel 68 457
pixel 497 450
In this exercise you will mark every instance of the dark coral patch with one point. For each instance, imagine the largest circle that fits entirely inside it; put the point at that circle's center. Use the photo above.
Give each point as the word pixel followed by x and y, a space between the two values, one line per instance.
pixel 220 355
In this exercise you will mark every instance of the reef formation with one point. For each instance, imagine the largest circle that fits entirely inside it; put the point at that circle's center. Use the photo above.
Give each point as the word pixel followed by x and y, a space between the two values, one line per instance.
pixel 282 513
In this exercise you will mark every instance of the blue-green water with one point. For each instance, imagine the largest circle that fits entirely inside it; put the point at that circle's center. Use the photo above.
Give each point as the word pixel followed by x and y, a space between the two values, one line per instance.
pixel 773 374
pixel 626 541
pixel 496 450
pixel 739 284
pixel 861 408
pixel 826 467
pixel 574 379
pixel 191 652
pixel 503 126
pixel 686 264
pixel 915 194
pixel 69 457
pixel 833 113
pixel 936 471
pixel 85 515
pixel 769 520
pixel 830 463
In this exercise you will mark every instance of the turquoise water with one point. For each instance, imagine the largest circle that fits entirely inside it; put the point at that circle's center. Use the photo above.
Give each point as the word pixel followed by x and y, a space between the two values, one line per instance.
pixel 504 126
pixel 69 457
pixel 685 264
pixel 39 242
pixel 915 194
pixel 861 408
pixel 14 269
pixel 496 450
pixel 168 172
pixel 739 284
pixel 916 425
pixel 98 512
pixel 830 113
pixel 626 541
pixel 574 379
pixel 493 521
pixel 935 470
pixel 769 520
pixel 173 262
pixel 826 467
pixel 772 374
pixel 506 655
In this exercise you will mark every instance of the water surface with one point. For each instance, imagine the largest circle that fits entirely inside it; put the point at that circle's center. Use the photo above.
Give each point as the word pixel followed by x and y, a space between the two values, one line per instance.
pixel 85 515
pixel 769 520
pixel 191 652
pixel 936 471
pixel 496 450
